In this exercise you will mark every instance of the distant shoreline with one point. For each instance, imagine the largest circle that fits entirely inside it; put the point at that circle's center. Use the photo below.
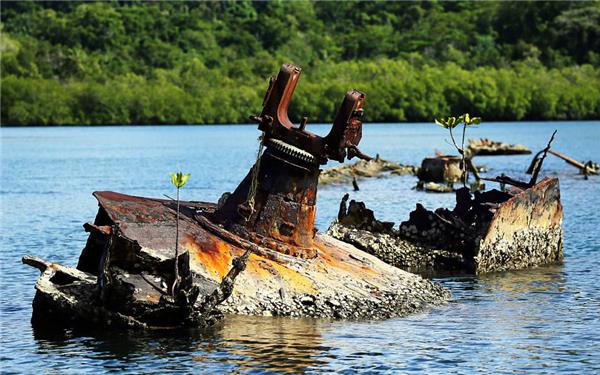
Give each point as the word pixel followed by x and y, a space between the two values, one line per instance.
pixel 253 124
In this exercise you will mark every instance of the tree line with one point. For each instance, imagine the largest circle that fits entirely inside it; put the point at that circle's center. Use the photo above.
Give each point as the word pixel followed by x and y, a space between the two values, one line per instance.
pixel 209 62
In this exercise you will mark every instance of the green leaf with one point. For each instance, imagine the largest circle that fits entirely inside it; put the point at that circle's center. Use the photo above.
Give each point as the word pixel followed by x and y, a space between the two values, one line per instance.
pixel 179 179
pixel 452 122
pixel 476 120
pixel 441 123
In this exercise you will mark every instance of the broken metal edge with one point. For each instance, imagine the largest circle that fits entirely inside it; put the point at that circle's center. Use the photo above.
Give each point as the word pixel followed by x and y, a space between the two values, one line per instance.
pixel 525 231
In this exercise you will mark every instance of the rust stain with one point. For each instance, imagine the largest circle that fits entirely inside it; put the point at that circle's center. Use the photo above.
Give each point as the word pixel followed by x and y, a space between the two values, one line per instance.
pixel 264 269
pixel 349 265
pixel 152 298
pixel 215 257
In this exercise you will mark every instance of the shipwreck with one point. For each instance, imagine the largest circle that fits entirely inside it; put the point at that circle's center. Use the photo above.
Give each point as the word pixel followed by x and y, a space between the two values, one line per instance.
pixel 517 227
pixel 256 251
pixel 487 147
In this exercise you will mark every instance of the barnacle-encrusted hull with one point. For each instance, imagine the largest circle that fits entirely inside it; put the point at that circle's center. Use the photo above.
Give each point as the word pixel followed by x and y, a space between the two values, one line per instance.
pixel 522 231
pixel 338 280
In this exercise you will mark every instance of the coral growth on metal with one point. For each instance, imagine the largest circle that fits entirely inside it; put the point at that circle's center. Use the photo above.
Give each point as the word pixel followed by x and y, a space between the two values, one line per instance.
pixel 525 231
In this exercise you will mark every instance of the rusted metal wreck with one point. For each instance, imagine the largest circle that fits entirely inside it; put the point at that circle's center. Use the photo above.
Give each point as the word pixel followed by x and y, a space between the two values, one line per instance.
pixel 266 225
pixel 376 167
pixel 489 231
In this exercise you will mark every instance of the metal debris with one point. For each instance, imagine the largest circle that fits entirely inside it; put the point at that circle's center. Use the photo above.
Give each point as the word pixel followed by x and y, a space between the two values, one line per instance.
pixel 376 167
pixel 585 168
pixel 485 232
pixel 440 168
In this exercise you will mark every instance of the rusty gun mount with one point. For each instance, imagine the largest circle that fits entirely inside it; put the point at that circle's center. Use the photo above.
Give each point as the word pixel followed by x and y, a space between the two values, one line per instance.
pixel 341 141
pixel 275 204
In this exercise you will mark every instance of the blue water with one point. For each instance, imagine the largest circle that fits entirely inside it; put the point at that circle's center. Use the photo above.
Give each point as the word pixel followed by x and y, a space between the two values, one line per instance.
pixel 544 320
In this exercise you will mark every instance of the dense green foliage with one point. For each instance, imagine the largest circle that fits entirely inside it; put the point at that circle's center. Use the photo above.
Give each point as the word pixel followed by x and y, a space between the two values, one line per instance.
pixel 208 62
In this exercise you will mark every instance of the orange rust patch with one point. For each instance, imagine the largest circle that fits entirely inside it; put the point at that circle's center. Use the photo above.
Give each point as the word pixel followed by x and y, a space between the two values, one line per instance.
pixel 214 256
pixel 348 264
pixel 152 298
pixel 264 269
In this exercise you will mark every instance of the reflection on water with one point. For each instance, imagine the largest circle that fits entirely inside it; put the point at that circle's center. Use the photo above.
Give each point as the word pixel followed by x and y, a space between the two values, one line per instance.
pixel 542 320
pixel 526 320
pixel 239 343
pixel 276 344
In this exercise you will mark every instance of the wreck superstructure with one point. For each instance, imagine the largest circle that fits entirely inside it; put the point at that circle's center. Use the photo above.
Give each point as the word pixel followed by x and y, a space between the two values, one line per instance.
pixel 277 199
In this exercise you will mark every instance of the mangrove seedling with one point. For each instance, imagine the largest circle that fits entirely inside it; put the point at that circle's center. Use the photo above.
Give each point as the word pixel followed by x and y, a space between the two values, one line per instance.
pixel 178 179
pixel 452 122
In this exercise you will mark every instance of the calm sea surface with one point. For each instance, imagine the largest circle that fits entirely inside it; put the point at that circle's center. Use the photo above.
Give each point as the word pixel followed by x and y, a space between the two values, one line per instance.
pixel 544 320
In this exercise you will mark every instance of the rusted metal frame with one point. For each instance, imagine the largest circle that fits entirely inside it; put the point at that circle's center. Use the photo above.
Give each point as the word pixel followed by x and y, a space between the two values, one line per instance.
pixel 346 132
pixel 103 269
pixel 225 288
pixel 285 198
pixel 568 159
pixel 103 278
pixel 508 181
pixel 585 168
pixel 534 168
pixel 274 120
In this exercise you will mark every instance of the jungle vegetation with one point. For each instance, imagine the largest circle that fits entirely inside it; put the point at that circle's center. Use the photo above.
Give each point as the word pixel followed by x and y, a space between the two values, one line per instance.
pixel 124 62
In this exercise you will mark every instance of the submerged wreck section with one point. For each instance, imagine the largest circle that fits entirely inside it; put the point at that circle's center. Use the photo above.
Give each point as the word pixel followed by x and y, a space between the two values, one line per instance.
pixel 265 228
pixel 376 167
pixel 485 232
pixel 333 280
pixel 117 283
pixel 487 147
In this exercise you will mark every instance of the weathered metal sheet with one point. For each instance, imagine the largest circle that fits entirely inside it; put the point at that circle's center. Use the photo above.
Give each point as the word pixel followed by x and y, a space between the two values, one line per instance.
pixel 339 281
pixel 525 231
pixel 440 169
